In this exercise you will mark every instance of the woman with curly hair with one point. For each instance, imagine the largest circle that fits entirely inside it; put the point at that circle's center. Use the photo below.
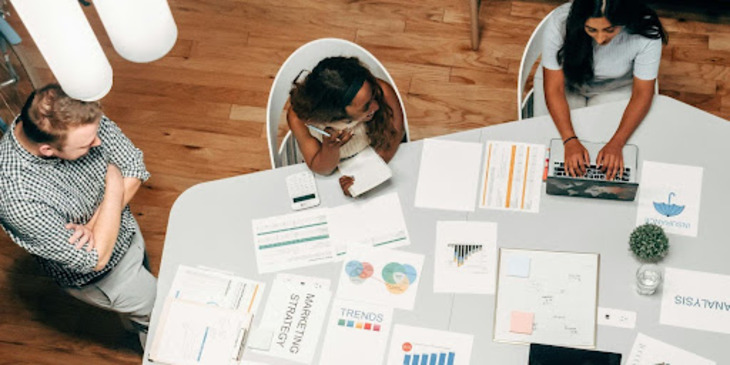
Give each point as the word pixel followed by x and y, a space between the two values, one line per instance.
pixel 342 98
pixel 597 51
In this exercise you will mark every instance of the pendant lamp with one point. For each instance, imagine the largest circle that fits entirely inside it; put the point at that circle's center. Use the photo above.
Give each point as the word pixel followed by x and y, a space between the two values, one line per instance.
pixel 67 43
pixel 140 30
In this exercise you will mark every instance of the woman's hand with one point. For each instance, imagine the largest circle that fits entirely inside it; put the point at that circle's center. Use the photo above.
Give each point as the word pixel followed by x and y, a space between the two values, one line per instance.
pixel 336 139
pixel 611 160
pixel 576 158
pixel 345 183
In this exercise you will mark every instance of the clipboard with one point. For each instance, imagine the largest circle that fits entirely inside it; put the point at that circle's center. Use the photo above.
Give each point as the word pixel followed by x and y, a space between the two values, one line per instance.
pixel 194 333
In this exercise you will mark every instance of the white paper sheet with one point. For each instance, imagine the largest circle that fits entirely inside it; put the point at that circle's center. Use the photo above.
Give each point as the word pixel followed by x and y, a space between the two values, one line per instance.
pixel 374 222
pixel 309 282
pixel 648 351
pixel 669 196
pixel 368 169
pixel 409 345
pixel 696 300
pixel 295 313
pixel 449 175
pixel 561 290
pixel 465 258
pixel 193 333
pixel 292 240
pixel 357 333
pixel 210 287
pixel 386 277
pixel 512 176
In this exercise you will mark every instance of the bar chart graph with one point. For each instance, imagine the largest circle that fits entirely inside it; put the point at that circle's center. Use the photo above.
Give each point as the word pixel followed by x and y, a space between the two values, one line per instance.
pixel 463 251
pixel 426 346
pixel 443 358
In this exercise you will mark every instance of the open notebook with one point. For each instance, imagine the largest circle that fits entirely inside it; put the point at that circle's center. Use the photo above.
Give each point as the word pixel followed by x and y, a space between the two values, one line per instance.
pixel 368 169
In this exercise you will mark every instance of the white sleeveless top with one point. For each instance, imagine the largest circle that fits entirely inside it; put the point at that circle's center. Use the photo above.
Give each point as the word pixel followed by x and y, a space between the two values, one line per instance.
pixel 357 143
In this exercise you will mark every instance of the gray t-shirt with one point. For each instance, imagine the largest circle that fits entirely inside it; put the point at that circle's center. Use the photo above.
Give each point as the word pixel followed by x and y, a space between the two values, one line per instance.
pixel 614 64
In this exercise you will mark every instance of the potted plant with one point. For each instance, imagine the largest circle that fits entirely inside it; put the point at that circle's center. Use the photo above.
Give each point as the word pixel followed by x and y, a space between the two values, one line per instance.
pixel 649 243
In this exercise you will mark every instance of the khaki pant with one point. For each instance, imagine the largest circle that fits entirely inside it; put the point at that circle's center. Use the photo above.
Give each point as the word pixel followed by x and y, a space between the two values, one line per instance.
pixel 129 289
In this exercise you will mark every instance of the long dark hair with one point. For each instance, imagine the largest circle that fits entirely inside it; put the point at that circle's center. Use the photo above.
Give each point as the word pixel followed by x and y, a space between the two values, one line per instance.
pixel 576 55
pixel 325 93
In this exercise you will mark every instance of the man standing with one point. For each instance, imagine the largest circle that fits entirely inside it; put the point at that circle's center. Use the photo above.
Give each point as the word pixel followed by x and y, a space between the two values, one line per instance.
pixel 67 174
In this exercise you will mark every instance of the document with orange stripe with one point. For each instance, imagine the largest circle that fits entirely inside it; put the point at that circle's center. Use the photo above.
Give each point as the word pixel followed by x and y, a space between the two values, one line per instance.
pixel 512 176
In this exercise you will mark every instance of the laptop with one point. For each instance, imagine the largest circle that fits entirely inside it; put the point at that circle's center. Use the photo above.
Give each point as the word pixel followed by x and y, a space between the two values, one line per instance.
pixel 593 184
pixel 556 355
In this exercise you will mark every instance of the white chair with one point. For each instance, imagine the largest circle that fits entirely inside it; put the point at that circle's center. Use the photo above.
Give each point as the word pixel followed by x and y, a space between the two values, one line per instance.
pixel 304 59
pixel 533 50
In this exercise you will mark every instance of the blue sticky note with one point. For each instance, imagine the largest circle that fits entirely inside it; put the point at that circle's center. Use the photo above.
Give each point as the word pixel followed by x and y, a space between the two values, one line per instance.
pixel 518 266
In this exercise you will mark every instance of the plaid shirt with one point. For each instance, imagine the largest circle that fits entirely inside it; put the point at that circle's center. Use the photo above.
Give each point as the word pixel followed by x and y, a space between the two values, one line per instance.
pixel 39 196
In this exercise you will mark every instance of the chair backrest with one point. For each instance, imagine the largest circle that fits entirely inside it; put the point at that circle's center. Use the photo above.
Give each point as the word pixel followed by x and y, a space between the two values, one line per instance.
pixel 533 50
pixel 305 58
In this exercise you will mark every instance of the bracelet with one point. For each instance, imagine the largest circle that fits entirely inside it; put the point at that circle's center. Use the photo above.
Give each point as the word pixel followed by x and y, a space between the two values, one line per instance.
pixel 569 139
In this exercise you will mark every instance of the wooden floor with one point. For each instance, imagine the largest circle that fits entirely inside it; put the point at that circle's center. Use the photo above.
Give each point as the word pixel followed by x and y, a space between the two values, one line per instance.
pixel 199 114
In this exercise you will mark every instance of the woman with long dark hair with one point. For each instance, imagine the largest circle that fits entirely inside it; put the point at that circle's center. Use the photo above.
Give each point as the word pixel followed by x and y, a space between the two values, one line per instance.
pixel 342 98
pixel 596 51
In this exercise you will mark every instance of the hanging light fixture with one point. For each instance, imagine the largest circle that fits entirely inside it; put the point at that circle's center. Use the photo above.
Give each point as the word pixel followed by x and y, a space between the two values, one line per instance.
pixel 140 30
pixel 67 43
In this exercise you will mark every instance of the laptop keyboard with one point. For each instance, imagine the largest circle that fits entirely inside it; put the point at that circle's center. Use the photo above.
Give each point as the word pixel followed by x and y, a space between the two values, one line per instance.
pixel 592 173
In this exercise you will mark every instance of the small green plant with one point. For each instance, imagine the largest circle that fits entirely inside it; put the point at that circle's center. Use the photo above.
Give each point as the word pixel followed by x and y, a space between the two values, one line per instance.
pixel 649 243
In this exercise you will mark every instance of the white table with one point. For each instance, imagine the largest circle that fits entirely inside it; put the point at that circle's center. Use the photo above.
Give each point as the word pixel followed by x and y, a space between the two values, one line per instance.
pixel 210 225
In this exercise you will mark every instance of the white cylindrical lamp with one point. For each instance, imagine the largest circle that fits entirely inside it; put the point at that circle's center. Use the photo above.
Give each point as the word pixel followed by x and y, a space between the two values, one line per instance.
pixel 140 30
pixel 65 39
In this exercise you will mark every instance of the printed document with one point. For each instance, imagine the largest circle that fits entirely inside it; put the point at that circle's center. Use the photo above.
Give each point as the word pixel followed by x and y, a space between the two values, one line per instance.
pixel 465 258
pixel 696 300
pixel 292 240
pixel 206 286
pixel 512 176
pixel 357 333
pixel 193 333
pixel 546 297
pixel 449 175
pixel 386 277
pixel 295 314
pixel 373 222
pixel 648 351
pixel 417 345
pixel 669 196
pixel 368 169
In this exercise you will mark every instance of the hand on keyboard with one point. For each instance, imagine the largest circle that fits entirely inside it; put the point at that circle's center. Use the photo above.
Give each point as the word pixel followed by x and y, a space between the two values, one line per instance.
pixel 592 172
pixel 611 160
pixel 576 158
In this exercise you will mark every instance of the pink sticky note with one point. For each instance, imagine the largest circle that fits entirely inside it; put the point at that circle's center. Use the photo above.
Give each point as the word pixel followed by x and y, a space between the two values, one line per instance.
pixel 521 322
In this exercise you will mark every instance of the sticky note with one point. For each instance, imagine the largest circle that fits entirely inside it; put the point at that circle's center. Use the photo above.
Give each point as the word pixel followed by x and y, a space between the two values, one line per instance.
pixel 518 266
pixel 521 322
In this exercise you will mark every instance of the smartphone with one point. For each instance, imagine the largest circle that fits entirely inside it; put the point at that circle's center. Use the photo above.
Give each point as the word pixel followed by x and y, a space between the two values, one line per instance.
pixel 302 190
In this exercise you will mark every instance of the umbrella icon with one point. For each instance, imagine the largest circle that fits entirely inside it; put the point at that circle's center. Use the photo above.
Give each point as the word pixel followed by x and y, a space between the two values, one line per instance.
pixel 668 209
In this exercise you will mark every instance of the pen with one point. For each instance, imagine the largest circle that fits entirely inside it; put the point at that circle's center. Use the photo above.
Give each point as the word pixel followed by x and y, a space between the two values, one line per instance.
pixel 311 127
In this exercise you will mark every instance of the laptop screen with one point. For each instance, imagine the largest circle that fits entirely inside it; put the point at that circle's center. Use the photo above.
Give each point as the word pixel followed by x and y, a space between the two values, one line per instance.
pixel 555 355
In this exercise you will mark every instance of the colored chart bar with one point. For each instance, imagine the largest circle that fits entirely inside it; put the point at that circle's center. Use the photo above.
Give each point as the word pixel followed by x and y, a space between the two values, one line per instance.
pixel 462 252
pixel 430 359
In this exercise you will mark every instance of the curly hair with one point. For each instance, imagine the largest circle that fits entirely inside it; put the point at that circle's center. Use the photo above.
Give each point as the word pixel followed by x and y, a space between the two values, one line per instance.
pixel 49 113
pixel 576 54
pixel 325 93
